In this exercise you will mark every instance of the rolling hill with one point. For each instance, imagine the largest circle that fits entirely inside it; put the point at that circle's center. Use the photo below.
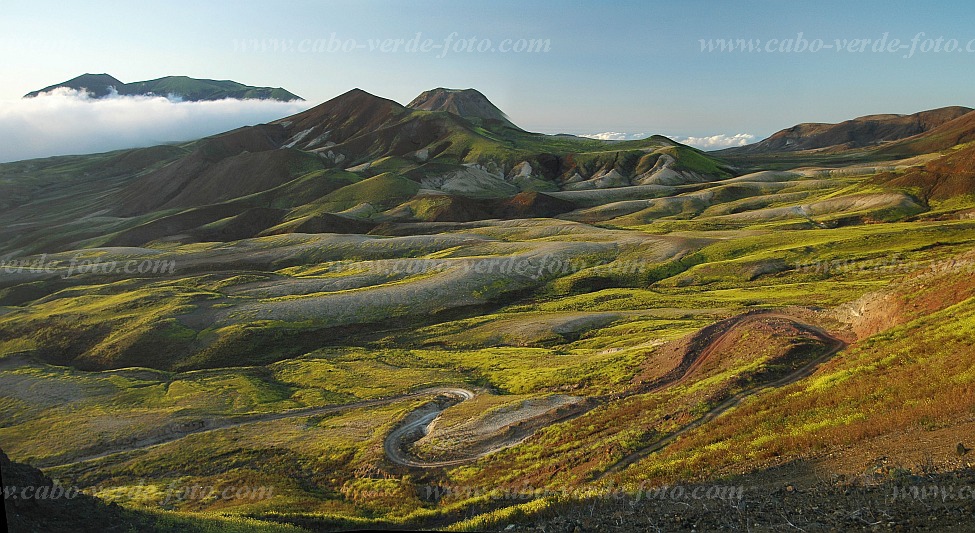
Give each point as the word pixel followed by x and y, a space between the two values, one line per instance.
pixel 386 316
pixel 356 152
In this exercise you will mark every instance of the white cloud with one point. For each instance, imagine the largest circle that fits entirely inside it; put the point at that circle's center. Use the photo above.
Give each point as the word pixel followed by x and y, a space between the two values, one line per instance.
pixel 615 136
pixel 66 121
pixel 716 142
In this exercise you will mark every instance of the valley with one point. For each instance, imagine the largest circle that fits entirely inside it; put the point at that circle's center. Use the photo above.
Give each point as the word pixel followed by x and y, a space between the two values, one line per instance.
pixel 369 300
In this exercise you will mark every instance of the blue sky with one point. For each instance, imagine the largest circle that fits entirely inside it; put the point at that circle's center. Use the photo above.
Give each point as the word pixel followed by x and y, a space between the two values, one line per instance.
pixel 623 66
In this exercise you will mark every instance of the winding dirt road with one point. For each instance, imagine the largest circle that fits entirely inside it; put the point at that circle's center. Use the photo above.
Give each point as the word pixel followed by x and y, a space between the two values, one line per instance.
pixel 217 425
pixel 834 346
pixel 414 427
pixel 417 423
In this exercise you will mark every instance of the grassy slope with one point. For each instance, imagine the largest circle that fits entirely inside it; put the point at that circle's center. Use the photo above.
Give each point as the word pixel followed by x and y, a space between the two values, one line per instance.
pixel 340 375
pixel 330 470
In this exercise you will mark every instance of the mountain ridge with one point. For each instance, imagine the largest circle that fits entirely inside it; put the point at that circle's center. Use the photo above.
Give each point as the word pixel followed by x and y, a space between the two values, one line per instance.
pixel 860 132
pixel 183 87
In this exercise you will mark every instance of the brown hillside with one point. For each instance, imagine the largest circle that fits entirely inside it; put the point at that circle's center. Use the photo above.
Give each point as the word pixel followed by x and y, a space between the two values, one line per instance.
pixel 958 131
pixel 198 178
pixel 468 103
pixel 340 119
pixel 945 177
pixel 856 133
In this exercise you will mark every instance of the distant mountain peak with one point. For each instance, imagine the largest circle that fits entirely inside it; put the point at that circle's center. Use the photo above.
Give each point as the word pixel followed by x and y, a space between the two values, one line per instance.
pixel 184 87
pixel 99 85
pixel 467 103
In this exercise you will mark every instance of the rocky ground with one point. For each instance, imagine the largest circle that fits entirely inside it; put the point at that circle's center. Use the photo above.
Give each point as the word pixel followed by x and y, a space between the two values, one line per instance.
pixel 899 502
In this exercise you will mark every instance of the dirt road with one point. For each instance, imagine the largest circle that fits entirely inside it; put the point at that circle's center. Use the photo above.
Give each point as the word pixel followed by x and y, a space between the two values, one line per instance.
pixel 416 424
pixel 834 346
pixel 206 426
pixel 414 427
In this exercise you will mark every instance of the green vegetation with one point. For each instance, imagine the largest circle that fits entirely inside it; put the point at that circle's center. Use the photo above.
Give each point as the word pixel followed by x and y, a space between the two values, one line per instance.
pixel 383 190
pixel 307 319
pixel 874 389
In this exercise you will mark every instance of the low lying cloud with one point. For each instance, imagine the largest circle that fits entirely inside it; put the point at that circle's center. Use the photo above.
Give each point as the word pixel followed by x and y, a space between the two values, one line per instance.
pixel 66 121
pixel 713 142
pixel 716 142
pixel 616 136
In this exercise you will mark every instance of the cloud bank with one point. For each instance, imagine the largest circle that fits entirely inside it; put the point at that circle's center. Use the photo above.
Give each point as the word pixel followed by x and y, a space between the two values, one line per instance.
pixel 716 142
pixel 713 142
pixel 615 136
pixel 66 121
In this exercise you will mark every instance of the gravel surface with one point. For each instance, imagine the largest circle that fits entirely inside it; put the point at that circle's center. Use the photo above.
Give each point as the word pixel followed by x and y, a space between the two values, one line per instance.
pixel 939 502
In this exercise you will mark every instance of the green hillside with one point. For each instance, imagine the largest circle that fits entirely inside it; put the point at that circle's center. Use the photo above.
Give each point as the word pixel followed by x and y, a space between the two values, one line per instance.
pixel 373 316
pixel 182 87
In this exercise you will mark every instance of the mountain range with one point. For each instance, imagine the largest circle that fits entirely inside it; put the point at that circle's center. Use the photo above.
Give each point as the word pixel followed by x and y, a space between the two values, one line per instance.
pixel 388 314
pixel 358 160
pixel 181 87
